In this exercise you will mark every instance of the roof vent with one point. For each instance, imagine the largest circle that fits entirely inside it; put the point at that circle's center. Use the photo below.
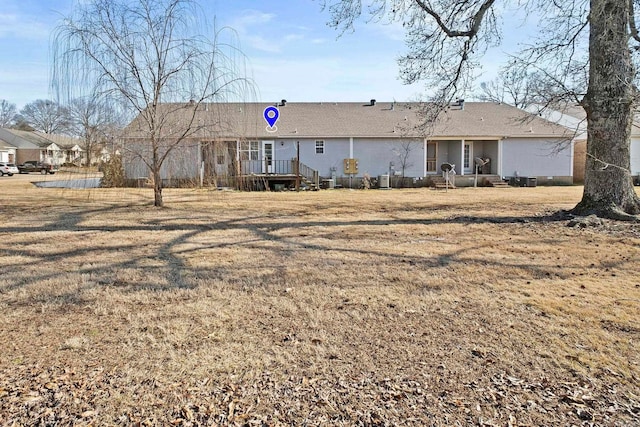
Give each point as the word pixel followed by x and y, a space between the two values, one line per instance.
pixel 283 102
pixel 372 102
pixel 461 103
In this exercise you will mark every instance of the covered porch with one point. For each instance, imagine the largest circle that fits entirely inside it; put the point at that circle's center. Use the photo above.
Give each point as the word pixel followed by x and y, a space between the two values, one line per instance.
pixel 464 155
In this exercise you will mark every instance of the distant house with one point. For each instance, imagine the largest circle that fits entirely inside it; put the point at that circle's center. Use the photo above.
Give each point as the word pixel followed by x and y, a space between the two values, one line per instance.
pixel 31 145
pixel 574 118
pixel 7 152
pixel 344 142
pixel 70 150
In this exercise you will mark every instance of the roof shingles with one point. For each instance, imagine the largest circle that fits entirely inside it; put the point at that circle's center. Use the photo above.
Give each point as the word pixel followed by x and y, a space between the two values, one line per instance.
pixel 349 119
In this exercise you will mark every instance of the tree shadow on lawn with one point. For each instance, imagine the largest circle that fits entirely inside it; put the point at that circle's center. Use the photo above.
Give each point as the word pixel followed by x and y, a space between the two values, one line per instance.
pixel 102 259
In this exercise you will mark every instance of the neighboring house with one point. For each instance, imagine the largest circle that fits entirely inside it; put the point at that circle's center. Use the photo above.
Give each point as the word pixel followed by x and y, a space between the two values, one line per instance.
pixel 346 141
pixel 31 145
pixel 70 150
pixel 7 152
pixel 575 119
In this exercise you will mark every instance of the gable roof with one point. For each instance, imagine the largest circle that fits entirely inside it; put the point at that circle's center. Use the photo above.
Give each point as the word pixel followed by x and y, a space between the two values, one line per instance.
pixel 5 144
pixel 355 119
pixel 574 117
pixel 35 140
pixel 24 139
pixel 63 141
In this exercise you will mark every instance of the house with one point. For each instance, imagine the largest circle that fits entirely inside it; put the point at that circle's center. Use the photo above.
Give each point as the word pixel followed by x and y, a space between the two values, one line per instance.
pixel 7 152
pixel 575 119
pixel 70 150
pixel 346 141
pixel 32 145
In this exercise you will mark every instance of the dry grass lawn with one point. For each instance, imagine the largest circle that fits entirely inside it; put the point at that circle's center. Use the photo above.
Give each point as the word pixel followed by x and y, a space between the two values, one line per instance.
pixel 402 307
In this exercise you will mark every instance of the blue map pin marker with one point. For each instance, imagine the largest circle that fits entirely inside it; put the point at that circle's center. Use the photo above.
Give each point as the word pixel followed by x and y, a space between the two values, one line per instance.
pixel 271 115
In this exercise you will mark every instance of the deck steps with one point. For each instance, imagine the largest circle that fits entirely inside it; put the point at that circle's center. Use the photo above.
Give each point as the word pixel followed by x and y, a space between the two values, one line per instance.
pixel 496 181
pixel 439 183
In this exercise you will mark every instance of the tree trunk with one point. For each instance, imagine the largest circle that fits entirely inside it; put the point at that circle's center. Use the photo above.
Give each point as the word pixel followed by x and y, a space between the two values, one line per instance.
pixel 608 186
pixel 157 179
pixel 157 188
pixel 88 159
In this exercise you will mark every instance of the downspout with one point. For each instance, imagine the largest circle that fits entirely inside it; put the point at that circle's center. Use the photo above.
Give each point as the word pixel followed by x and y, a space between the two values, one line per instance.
pixel 462 157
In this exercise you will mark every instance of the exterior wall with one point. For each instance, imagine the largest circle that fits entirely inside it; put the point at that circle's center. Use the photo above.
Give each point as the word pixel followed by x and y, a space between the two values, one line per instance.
pixel 381 157
pixel 182 164
pixel 335 151
pixel 7 155
pixel 535 158
pixel 455 155
pixel 376 156
pixel 25 154
pixel 443 154
pixel 486 149
pixel 635 156
pixel 579 160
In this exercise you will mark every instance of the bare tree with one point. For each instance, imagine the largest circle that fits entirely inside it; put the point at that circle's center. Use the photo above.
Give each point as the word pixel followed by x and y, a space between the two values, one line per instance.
pixel 149 58
pixel 403 152
pixel 513 86
pixel 46 116
pixel 446 39
pixel 93 120
pixel 8 113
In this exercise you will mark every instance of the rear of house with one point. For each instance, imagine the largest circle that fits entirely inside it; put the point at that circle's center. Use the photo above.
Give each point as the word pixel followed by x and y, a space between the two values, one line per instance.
pixel 344 142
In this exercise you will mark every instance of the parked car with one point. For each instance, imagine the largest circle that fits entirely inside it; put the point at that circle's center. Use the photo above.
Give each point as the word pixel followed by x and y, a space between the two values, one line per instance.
pixel 8 169
pixel 35 166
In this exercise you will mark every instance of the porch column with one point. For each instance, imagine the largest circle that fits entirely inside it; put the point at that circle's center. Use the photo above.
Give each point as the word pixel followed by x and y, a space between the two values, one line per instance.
pixel 461 167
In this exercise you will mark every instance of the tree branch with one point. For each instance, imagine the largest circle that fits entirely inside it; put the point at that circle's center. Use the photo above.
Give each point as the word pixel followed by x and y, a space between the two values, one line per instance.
pixel 476 21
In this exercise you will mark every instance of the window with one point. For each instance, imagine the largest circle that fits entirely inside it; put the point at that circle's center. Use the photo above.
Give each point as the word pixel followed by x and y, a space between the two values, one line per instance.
pixel 220 159
pixel 249 150
pixel 319 147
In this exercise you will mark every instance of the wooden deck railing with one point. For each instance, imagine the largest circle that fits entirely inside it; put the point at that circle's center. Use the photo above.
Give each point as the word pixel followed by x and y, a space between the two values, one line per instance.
pixel 279 167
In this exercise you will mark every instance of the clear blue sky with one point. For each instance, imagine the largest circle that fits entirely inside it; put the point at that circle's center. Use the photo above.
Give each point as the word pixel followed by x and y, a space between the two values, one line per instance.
pixel 292 53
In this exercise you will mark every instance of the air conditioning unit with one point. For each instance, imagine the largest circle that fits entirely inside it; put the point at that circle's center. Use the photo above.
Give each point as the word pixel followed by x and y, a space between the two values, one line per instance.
pixel 383 182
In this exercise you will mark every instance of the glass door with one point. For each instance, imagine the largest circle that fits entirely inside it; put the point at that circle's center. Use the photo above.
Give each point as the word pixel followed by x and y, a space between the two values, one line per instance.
pixel 267 156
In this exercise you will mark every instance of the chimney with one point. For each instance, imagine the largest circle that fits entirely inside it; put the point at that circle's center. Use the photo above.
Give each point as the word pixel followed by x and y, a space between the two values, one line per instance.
pixel 372 102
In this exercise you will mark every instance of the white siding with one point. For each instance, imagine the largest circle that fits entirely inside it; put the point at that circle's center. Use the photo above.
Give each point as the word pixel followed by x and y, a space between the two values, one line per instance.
pixel 535 157
pixel 383 156
pixel 635 156
pixel 335 151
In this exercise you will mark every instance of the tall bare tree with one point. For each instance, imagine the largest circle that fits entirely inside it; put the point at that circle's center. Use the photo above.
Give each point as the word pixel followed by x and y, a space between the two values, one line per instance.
pixel 447 38
pixel 8 113
pixel 513 86
pixel 146 56
pixel 93 120
pixel 46 116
